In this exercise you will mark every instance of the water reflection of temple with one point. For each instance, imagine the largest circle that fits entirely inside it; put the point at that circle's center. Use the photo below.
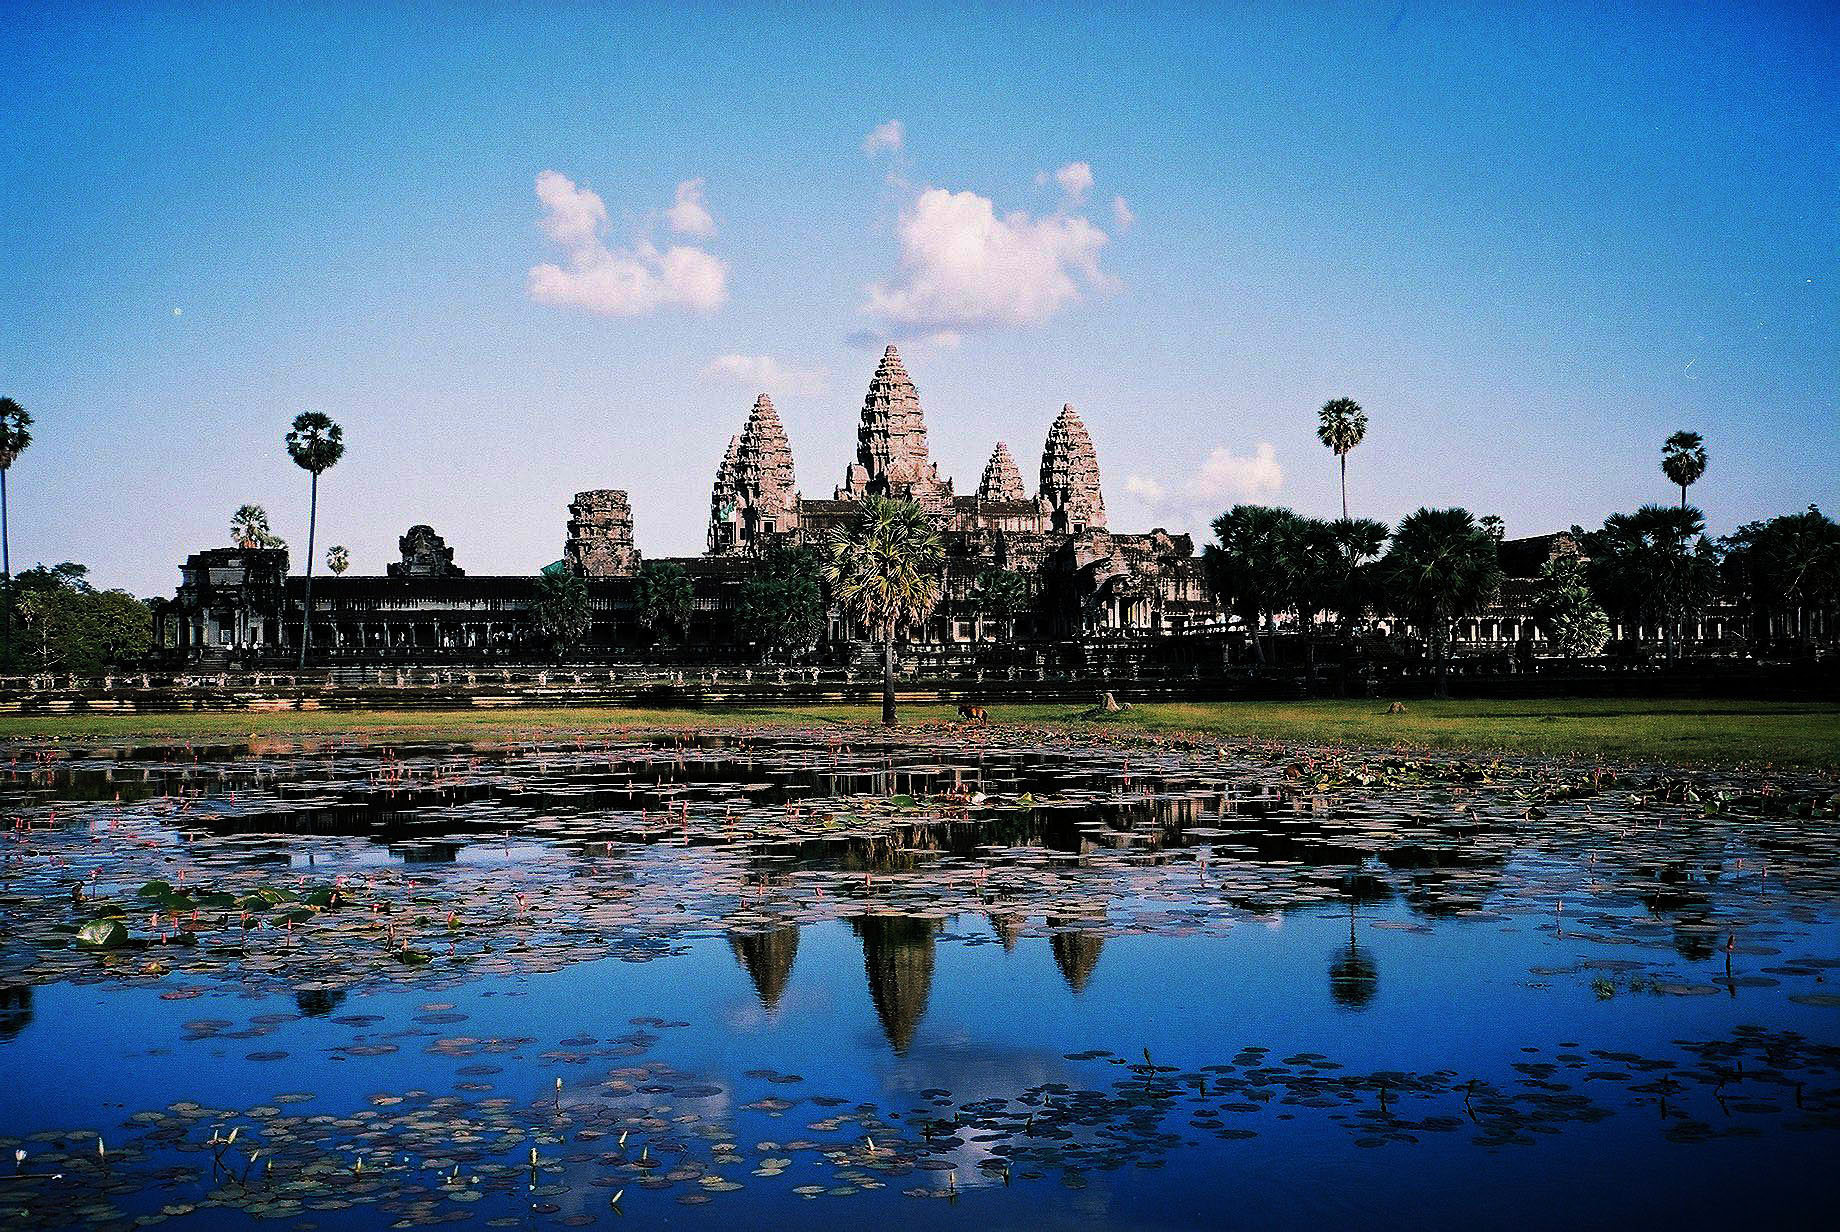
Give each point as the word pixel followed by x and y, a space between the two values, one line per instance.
pixel 767 957
pixel 1076 950
pixel 898 959
pixel 15 1009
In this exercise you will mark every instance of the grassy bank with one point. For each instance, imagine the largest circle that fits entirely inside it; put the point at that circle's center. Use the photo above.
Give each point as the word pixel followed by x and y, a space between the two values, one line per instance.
pixel 1754 734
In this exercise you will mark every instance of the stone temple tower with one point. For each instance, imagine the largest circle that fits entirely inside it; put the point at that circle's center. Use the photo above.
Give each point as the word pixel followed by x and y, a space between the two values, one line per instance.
pixel 1070 477
pixel 600 542
pixel 891 452
pixel 1002 481
pixel 756 492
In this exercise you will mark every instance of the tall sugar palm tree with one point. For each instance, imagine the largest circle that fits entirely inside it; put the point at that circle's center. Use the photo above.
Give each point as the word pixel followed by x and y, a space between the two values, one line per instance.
pixel 316 444
pixel 1442 566
pixel 249 528
pixel 15 435
pixel 1252 564
pixel 885 573
pixel 1340 426
pixel 1683 459
pixel 338 558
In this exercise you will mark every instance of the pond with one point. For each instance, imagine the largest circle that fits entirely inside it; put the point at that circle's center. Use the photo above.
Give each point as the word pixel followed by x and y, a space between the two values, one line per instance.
pixel 823 979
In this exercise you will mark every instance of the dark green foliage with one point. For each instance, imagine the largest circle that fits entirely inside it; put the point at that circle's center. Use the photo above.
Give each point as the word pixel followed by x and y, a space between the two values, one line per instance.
pixel 1785 567
pixel 885 571
pixel 1251 564
pixel 1442 565
pixel 780 607
pixel 1568 611
pixel 1002 595
pixel 662 596
pixel 1653 566
pixel 1683 460
pixel 560 609
pixel 65 624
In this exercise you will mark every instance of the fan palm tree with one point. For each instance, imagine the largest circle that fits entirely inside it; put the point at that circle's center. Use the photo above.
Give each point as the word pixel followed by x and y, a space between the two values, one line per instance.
pixel 1442 566
pixel 1252 564
pixel 15 435
pixel 885 573
pixel 1340 426
pixel 1683 460
pixel 249 528
pixel 1360 542
pixel 316 444
pixel 1653 565
pixel 338 558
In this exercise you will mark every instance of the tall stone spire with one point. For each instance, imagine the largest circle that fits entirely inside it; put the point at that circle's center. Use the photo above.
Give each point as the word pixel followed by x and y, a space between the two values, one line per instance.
pixel 891 453
pixel 764 466
pixel 1002 481
pixel 755 492
pixel 1070 476
pixel 724 505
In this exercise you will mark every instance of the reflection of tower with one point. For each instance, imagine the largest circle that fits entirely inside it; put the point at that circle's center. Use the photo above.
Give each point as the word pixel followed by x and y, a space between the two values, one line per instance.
pixel 1354 977
pixel 1076 951
pixel 1008 927
pixel 317 1002
pixel 898 958
pixel 15 1009
pixel 767 957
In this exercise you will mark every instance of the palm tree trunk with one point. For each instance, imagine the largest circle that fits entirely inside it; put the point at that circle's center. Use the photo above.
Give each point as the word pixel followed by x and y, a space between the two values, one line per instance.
pixel 1683 496
pixel 888 675
pixel 1344 460
pixel 1443 660
pixel 306 612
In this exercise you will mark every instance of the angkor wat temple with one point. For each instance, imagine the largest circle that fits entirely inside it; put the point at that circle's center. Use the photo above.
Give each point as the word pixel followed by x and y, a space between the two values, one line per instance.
pixel 1085 582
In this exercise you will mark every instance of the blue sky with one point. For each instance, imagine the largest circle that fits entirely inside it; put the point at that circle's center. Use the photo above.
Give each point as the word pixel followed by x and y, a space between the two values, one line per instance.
pixel 1530 244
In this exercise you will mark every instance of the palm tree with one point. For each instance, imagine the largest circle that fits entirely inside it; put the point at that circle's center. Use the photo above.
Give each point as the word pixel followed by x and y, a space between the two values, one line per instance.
pixel 249 528
pixel 1646 566
pixel 316 444
pixel 1252 564
pixel 561 610
pixel 1683 459
pixel 1340 426
pixel 885 573
pixel 15 435
pixel 338 558
pixel 1442 566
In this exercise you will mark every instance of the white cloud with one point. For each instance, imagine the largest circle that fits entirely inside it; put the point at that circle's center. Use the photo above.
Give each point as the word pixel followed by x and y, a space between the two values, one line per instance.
pixel 1225 474
pixel 626 282
pixel 765 374
pixel 947 339
pixel 1076 180
pixel 889 135
pixel 965 267
pixel 1223 478
pixel 1122 214
pixel 689 215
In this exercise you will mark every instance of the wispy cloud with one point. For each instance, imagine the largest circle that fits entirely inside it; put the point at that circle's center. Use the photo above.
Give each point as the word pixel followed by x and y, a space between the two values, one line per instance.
pixel 765 374
pixel 628 282
pixel 1223 478
pixel 888 135
pixel 1076 180
pixel 688 214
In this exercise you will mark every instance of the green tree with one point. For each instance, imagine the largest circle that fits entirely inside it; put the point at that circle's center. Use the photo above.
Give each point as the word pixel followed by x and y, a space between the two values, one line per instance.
pixel 1565 607
pixel 664 597
pixel 1786 566
pixel 780 607
pixel 1252 564
pixel 1314 564
pixel 1653 566
pixel 885 572
pixel 1441 567
pixel 72 626
pixel 1001 596
pixel 1683 460
pixel 1340 426
pixel 249 528
pixel 560 609
pixel 1359 543
pixel 15 435
pixel 338 559
pixel 316 444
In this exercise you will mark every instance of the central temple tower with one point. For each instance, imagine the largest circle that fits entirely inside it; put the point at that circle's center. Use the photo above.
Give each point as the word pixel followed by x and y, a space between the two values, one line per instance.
pixel 891 453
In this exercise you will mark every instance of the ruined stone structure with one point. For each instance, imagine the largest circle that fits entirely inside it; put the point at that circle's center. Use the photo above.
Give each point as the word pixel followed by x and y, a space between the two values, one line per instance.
pixel 600 535
pixel 424 555
pixel 1070 477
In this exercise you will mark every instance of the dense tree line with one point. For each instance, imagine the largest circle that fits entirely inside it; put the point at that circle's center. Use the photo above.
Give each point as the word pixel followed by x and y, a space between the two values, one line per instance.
pixel 61 623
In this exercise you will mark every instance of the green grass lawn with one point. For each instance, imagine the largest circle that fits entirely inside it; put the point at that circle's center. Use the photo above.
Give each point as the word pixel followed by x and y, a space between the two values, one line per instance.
pixel 1761 735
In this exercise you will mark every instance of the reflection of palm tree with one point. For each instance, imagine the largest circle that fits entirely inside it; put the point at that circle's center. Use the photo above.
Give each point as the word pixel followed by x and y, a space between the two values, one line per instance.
pixel 767 957
pixel 898 958
pixel 318 1002
pixel 1354 977
pixel 1076 951
pixel 15 1009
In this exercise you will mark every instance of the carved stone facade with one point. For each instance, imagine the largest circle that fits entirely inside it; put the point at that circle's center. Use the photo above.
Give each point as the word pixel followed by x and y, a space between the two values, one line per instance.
pixel 1070 476
pixel 600 542
pixel 756 491
pixel 424 555
pixel 891 452
pixel 1002 481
